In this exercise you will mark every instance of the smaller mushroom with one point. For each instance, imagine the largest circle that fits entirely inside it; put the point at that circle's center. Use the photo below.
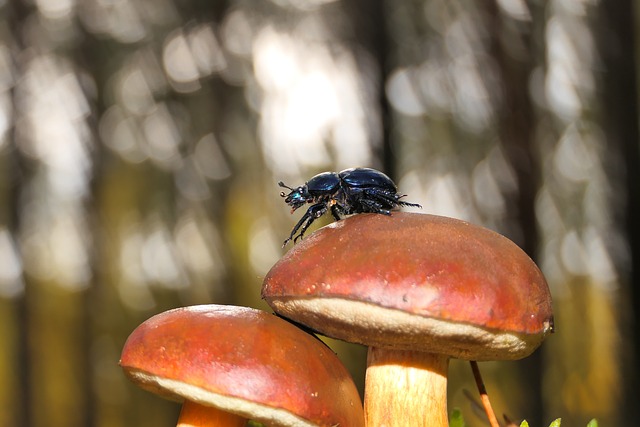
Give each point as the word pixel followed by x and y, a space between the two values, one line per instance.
pixel 232 364
pixel 417 290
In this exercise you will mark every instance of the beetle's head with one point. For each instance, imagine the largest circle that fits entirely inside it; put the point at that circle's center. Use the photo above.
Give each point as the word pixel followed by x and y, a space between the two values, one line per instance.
pixel 297 197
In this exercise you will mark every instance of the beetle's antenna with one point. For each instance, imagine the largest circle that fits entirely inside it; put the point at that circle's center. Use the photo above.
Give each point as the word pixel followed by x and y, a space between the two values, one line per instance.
pixel 282 184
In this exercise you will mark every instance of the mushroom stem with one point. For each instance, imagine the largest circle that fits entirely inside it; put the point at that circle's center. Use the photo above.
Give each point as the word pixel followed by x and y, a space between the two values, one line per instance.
pixel 196 415
pixel 405 388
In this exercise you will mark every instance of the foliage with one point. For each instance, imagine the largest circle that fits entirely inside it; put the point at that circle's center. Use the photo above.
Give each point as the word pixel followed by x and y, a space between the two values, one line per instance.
pixel 457 420
pixel 557 422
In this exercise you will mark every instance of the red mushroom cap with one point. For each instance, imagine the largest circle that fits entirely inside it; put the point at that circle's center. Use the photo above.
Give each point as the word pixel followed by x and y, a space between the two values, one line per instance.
pixel 415 282
pixel 243 361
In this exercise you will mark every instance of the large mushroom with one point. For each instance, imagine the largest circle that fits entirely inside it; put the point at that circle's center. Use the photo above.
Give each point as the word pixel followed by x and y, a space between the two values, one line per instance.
pixel 418 290
pixel 233 364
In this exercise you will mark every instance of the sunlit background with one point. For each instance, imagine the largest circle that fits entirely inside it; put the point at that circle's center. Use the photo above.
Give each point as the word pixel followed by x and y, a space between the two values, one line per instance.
pixel 141 142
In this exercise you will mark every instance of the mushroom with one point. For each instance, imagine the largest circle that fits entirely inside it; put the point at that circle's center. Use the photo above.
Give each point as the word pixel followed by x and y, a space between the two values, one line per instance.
pixel 233 364
pixel 417 290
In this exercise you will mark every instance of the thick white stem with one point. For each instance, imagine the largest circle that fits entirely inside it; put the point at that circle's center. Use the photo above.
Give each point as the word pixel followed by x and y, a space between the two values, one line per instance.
pixel 405 388
pixel 196 415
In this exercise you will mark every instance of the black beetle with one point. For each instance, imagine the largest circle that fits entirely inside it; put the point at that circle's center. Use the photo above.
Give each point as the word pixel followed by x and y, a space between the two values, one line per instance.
pixel 352 191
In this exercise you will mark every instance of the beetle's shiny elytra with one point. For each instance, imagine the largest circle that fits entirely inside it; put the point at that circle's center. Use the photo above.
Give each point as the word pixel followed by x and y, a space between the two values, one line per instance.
pixel 352 191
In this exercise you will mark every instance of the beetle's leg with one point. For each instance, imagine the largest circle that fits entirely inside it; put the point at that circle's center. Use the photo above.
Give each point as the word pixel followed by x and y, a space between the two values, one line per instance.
pixel 385 198
pixel 309 216
pixel 390 199
pixel 313 213
pixel 334 213
pixel 337 210
pixel 374 206
pixel 403 203
pixel 304 218
pixel 394 198
pixel 372 200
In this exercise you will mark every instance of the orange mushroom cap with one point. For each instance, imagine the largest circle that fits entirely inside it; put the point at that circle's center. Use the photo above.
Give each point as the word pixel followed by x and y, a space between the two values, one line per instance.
pixel 243 361
pixel 415 282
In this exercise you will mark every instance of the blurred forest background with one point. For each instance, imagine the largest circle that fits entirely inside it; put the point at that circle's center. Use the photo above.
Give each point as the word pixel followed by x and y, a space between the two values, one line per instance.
pixel 141 142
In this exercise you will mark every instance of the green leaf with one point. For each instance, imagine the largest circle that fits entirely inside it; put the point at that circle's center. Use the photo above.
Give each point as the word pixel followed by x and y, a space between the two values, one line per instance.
pixel 456 419
pixel 556 423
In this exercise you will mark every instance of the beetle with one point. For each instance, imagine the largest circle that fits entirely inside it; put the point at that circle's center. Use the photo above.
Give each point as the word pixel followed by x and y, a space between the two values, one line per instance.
pixel 351 191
